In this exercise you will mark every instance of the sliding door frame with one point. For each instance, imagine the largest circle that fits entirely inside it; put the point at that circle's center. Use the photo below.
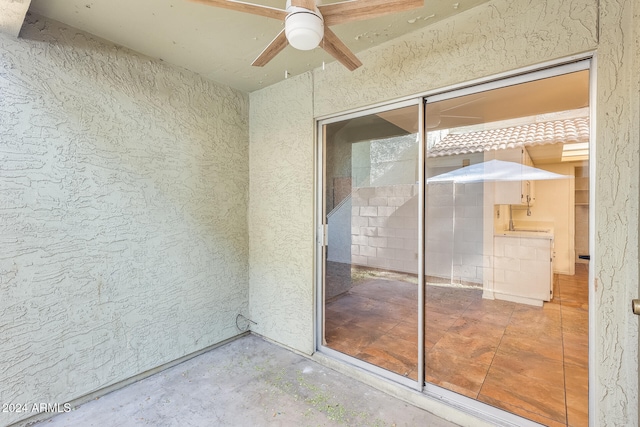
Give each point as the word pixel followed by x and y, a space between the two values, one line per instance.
pixel 464 403
pixel 581 62
pixel 321 242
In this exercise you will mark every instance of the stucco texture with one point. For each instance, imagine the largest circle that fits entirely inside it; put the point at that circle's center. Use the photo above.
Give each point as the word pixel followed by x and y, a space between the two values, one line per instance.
pixel 616 213
pixel 281 213
pixel 142 208
pixel 123 214
pixel 498 37
pixel 493 38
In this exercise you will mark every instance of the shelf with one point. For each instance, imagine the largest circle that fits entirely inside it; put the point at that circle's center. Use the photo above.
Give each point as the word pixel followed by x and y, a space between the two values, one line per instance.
pixel 582 197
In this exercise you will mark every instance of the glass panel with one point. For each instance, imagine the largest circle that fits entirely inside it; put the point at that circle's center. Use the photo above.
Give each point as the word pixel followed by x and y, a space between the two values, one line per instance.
pixel 506 291
pixel 371 261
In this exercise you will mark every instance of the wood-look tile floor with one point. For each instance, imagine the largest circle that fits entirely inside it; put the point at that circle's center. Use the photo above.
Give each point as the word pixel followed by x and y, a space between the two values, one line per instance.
pixel 531 361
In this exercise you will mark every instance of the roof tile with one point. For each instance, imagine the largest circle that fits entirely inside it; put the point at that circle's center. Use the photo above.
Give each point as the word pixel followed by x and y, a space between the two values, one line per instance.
pixel 551 132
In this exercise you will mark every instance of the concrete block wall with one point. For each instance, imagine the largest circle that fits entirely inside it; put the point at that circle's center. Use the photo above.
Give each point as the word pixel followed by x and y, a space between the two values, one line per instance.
pixel 339 233
pixel 439 245
pixel 454 232
pixel 384 230
pixel 384 227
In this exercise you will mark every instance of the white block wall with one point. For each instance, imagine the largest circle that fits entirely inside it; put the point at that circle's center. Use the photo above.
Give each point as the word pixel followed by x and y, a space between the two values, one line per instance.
pixel 339 233
pixel 384 230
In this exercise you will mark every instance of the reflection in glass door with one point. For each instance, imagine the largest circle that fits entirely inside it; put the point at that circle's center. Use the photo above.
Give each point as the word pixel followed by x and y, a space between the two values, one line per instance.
pixel 506 293
pixel 371 258
pixel 456 257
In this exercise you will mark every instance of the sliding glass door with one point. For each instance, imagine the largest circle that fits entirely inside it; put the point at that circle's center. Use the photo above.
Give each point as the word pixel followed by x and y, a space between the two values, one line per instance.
pixel 506 292
pixel 453 241
pixel 371 254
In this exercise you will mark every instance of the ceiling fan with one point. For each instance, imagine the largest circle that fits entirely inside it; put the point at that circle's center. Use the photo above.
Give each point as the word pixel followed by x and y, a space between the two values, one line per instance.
pixel 307 24
pixel 441 114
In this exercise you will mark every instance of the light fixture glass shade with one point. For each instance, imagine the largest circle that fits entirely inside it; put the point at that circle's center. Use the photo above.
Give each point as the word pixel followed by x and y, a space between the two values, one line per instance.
pixel 304 30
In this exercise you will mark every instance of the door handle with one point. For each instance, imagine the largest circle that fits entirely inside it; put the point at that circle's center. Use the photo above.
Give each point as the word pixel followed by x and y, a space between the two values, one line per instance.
pixel 635 306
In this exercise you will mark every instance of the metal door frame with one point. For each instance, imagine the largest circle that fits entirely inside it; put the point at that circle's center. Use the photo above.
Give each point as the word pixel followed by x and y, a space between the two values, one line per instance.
pixel 581 62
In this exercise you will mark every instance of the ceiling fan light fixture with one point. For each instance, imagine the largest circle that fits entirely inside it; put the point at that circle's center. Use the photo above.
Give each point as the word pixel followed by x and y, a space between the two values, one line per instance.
pixel 304 23
pixel 304 29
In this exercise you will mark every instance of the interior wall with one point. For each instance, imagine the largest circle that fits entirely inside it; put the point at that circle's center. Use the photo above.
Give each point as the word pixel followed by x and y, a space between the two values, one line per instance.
pixel 555 205
pixel 281 213
pixel 123 214
pixel 494 38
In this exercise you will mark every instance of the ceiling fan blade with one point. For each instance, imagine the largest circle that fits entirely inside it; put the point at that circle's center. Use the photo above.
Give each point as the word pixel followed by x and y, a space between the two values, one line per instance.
pixel 453 116
pixel 334 47
pixel 307 4
pixel 255 9
pixel 356 10
pixel 269 52
pixel 453 107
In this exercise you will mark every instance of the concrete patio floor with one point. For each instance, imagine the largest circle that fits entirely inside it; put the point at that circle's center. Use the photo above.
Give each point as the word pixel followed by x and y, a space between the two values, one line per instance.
pixel 248 382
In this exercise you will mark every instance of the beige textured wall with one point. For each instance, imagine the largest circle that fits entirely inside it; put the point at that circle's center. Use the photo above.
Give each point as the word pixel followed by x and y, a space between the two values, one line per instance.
pixel 494 38
pixel 281 212
pixel 123 226
pixel 555 205
pixel 616 212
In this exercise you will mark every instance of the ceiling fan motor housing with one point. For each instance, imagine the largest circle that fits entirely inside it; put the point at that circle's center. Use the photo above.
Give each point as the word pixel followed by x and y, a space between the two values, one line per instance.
pixel 304 28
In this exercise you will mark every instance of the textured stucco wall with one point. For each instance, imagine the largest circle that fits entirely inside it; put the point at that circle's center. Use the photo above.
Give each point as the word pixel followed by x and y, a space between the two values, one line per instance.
pixel 616 212
pixel 281 212
pixel 492 38
pixel 498 37
pixel 123 226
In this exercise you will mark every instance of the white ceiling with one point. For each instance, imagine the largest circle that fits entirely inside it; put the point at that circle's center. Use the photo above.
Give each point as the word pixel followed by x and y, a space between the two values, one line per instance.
pixel 221 44
pixel 12 15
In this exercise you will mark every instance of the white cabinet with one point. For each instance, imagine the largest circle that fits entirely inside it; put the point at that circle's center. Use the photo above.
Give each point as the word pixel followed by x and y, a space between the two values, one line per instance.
pixel 523 267
pixel 514 192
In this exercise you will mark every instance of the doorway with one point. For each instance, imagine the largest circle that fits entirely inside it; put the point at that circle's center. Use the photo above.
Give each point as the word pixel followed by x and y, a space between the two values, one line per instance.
pixel 454 252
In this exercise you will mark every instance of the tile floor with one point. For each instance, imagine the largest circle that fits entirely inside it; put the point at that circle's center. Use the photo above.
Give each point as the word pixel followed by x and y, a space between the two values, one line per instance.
pixel 532 361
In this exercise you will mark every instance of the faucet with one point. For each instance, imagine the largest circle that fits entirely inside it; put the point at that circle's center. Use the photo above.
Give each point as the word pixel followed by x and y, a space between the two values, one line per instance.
pixel 511 225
